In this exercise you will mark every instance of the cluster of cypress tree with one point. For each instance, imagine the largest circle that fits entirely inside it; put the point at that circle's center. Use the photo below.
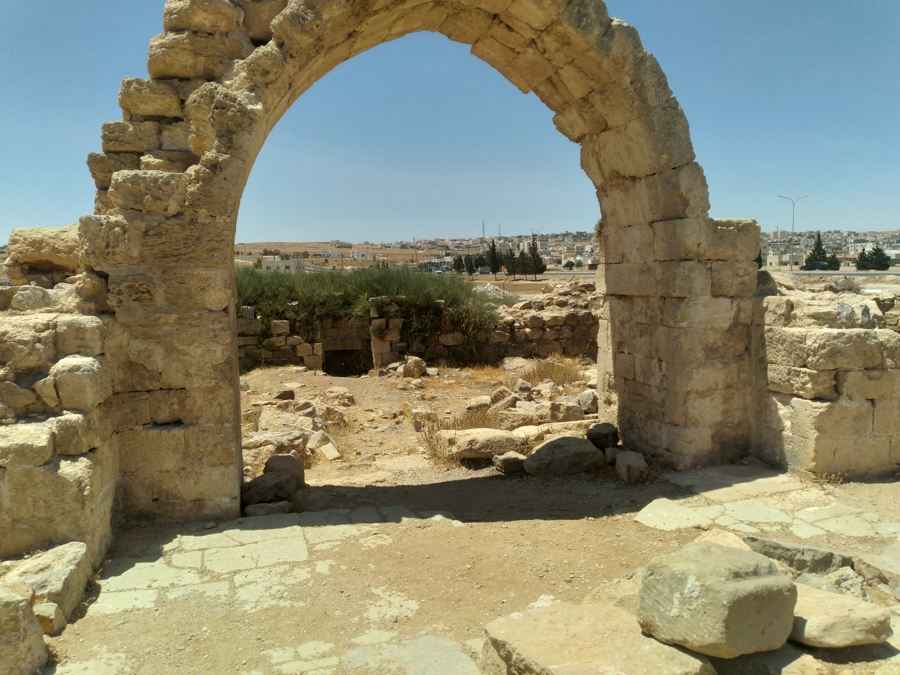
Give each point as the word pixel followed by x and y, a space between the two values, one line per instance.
pixel 819 254
pixel 525 263
pixel 875 259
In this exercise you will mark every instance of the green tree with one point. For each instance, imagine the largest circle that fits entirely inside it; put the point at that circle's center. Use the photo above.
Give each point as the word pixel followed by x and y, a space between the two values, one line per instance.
pixel 459 265
pixel 569 265
pixel 304 254
pixel 759 261
pixel 494 259
pixel 257 264
pixel 523 264
pixel 470 265
pixel 579 264
pixel 818 252
pixel 876 259
pixel 480 261
pixel 537 265
pixel 833 262
pixel 510 262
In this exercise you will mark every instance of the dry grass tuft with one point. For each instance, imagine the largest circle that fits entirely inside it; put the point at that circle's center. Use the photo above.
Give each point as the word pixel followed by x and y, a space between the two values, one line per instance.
pixel 563 371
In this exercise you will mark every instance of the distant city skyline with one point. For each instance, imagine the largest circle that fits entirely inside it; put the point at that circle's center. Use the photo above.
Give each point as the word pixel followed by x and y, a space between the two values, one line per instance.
pixel 417 138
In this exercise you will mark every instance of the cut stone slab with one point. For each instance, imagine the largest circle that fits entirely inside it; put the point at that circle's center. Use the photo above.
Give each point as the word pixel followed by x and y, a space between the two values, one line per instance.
pixel 717 600
pixel 664 514
pixel 800 558
pixel 817 513
pixel 833 621
pixel 564 455
pixel 566 639
pixel 476 443
pixel 734 483
pixel 58 575
pixel 22 648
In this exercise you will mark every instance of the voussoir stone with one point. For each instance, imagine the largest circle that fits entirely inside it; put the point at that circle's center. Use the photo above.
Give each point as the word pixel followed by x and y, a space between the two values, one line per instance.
pixel 717 600
pixel 476 443
pixel 832 620
pixel 564 455
pixel 567 639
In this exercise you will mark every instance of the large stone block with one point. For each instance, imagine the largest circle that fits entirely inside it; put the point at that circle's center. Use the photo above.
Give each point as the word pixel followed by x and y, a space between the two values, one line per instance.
pixel 717 600
pixel 58 575
pixel 581 639
pixel 25 445
pixel 787 347
pixel 103 165
pixel 837 419
pixel 835 349
pixel 130 137
pixel 258 15
pixel 187 55
pixel 201 16
pixel 22 648
pixel 662 199
pixel 477 443
pixel 835 621
pixel 859 385
pixel 149 191
pixel 81 382
pixel 149 98
pixel 803 382
pixel 82 335
pixel 564 455
pixel 683 278
pixel 42 249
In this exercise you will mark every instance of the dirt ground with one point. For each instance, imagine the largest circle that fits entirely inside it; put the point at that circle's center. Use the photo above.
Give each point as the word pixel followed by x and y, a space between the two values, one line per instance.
pixel 413 583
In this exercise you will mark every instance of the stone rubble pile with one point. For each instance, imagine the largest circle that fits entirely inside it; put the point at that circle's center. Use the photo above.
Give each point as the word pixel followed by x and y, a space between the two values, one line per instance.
pixel 718 606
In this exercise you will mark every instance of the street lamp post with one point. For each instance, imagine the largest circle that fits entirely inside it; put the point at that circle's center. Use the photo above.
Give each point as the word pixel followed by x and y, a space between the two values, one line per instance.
pixel 793 206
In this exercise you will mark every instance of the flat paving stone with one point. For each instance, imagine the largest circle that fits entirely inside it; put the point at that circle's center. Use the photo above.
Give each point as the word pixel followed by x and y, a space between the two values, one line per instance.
pixel 816 513
pixel 754 511
pixel 804 530
pixel 851 526
pixel 123 601
pixel 734 483
pixel 142 573
pixel 664 514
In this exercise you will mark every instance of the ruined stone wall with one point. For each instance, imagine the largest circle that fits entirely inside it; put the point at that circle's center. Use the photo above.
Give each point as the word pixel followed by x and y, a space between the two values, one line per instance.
pixel 833 380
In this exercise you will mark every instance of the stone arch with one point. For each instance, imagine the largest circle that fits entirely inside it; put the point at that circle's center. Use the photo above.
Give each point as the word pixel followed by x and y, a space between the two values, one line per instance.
pixel 675 330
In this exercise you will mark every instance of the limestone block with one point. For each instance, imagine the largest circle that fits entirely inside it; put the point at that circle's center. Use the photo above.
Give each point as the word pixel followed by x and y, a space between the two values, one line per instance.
pixel 734 279
pixel 785 661
pixel 564 455
pixel 33 298
pixel 630 466
pixel 130 137
pixel 24 445
pixel 633 244
pixel 476 443
pixel 528 69
pixel 287 463
pixel 73 433
pixel 811 384
pixel 834 621
pixel 43 249
pixel 702 312
pixel 84 335
pixel 104 165
pixel 887 417
pixel 46 389
pixel 594 638
pixel 58 575
pixel 800 558
pixel 81 382
pixel 149 191
pixel 273 486
pixel 664 199
pixel 510 462
pixel 838 419
pixel 16 397
pixel 22 648
pixel 167 160
pixel 835 349
pixel 683 278
pixel 175 137
pixel 258 15
pixel 730 239
pixel 787 347
pixel 51 618
pixel 149 98
pixel 657 142
pixel 631 279
pixel 201 16
pixel 467 26
pixel 452 339
pixel 188 55
pixel 717 600
pixel 26 342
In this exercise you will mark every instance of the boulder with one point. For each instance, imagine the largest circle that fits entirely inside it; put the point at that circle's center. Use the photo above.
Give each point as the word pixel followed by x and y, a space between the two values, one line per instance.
pixel 833 621
pixel 603 435
pixel 522 386
pixel 499 394
pixel 612 452
pixel 566 639
pixel 51 618
pixel 589 401
pixel 630 466
pixel 288 464
pixel 81 382
pixel 717 600
pixel 476 443
pixel 478 403
pixel 24 445
pixel 58 575
pixel 285 395
pixel 564 455
pixel 22 648
pixel 324 446
pixel 33 298
pixel 340 396
pixel 566 409
pixel 274 486
pixel 415 367
pixel 510 462
pixel 785 661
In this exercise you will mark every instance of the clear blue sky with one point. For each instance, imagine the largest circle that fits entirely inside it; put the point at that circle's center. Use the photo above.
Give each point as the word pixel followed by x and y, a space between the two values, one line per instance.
pixel 418 138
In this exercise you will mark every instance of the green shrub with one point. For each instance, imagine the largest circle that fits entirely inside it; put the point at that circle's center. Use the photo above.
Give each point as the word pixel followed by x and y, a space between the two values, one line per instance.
pixel 304 299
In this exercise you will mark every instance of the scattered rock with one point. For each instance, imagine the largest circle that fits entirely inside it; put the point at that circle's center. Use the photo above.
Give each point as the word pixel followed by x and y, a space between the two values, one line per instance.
pixel 724 538
pixel 340 395
pixel 51 618
pixel 22 648
pixel 245 384
pixel 831 620
pixel 476 443
pixel 523 386
pixel 415 367
pixel 785 661
pixel 564 455
pixel 589 401
pixel 603 435
pixel 630 466
pixel 509 462
pixel 285 395
pixel 478 403
pixel 267 509
pixel 586 639
pixel 433 372
pixel 499 394
pixel 274 486
pixel 612 452
pixel 566 409
pixel 717 600
pixel 622 592
pixel 288 464
pixel 844 581
pixel 324 446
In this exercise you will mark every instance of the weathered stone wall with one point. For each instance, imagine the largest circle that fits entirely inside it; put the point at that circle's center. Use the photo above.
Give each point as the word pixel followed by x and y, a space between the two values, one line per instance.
pixel 833 380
